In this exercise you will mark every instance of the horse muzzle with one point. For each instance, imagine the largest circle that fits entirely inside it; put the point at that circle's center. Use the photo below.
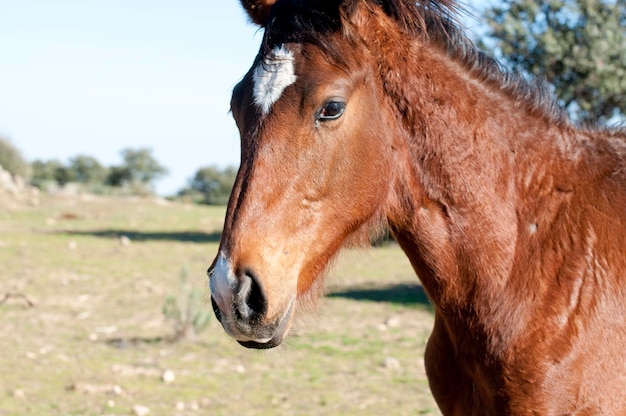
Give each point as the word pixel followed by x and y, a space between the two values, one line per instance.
pixel 240 304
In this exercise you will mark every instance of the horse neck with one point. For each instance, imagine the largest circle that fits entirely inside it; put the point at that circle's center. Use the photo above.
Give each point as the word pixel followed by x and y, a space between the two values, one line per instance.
pixel 471 151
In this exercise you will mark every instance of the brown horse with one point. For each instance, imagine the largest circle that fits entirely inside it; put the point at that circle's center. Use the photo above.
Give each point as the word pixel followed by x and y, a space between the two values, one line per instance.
pixel 360 115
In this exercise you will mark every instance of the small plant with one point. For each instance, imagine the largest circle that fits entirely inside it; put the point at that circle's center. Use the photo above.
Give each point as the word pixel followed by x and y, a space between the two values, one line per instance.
pixel 186 311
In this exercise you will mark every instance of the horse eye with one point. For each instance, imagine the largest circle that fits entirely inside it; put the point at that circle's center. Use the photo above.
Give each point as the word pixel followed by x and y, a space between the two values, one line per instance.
pixel 332 110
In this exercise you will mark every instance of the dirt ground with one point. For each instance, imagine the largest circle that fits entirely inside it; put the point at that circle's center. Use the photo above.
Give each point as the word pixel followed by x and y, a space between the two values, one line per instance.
pixel 84 332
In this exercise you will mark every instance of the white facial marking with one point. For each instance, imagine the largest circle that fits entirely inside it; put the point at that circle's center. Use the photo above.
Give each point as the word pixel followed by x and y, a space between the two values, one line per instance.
pixel 272 76
pixel 222 283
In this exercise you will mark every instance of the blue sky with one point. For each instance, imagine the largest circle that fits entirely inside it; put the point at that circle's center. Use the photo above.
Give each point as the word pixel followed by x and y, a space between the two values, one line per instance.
pixel 92 78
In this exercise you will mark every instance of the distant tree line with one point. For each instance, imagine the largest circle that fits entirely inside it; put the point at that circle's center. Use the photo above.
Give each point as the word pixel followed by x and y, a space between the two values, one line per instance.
pixel 210 185
pixel 135 175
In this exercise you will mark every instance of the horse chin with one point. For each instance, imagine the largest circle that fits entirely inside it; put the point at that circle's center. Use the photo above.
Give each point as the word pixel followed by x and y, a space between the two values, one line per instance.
pixel 261 346
pixel 280 332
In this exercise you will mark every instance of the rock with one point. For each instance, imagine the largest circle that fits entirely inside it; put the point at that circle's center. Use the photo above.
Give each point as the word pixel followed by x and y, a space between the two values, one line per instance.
pixel 393 322
pixel 162 202
pixel 391 363
pixel 83 315
pixel 89 388
pixel 141 410
pixel 19 394
pixel 13 184
pixel 45 349
pixel 168 376
pixel 107 329
pixel 136 370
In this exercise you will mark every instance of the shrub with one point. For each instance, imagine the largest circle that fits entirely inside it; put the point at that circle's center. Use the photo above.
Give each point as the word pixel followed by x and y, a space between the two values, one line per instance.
pixel 186 311
pixel 12 161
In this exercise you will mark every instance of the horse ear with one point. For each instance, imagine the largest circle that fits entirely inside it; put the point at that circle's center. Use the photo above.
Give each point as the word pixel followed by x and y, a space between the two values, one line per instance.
pixel 258 10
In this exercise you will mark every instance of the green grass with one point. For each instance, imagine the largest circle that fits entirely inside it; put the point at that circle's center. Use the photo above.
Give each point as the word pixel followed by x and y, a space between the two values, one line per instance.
pixel 97 324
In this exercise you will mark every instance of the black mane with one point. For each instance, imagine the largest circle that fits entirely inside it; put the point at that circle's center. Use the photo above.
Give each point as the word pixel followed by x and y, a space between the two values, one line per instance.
pixel 303 21
pixel 435 21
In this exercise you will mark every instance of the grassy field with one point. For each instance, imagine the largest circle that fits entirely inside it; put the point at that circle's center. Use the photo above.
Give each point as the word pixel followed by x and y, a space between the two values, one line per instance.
pixel 96 341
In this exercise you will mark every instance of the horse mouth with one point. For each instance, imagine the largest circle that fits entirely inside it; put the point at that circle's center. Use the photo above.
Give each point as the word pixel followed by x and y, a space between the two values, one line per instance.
pixel 261 346
pixel 257 335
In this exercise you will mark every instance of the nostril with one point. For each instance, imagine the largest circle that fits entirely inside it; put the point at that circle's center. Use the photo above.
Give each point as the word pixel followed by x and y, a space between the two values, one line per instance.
pixel 216 310
pixel 256 300
pixel 251 301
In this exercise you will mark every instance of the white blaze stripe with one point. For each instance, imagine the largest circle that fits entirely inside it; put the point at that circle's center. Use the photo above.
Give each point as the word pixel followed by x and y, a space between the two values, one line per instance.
pixel 272 76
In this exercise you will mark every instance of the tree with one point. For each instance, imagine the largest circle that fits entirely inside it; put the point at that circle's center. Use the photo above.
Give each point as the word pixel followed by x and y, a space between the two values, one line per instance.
pixel 117 176
pixel 12 161
pixel 51 171
pixel 213 184
pixel 142 166
pixel 86 170
pixel 579 46
pixel 138 168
